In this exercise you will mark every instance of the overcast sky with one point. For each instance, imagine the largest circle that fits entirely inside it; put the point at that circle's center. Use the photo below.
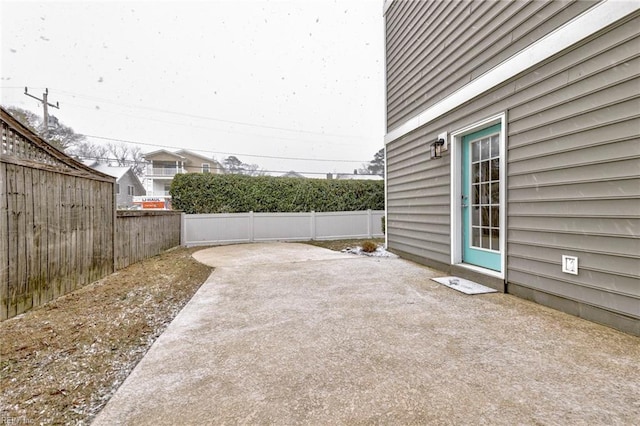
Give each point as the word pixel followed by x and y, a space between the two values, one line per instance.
pixel 250 78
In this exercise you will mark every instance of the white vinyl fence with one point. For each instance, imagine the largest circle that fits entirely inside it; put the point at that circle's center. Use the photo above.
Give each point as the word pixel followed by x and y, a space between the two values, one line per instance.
pixel 210 229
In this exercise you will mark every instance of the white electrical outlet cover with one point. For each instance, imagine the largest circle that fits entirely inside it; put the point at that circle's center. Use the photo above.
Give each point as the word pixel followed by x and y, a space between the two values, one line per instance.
pixel 570 264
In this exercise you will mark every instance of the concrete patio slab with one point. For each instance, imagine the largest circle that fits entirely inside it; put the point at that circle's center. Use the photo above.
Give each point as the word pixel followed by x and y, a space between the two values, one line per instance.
pixel 293 334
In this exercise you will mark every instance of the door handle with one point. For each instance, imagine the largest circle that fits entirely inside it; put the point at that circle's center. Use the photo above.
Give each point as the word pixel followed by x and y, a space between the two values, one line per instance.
pixel 464 201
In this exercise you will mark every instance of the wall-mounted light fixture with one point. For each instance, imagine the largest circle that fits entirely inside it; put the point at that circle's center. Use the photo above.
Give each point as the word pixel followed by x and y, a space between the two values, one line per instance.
pixel 436 148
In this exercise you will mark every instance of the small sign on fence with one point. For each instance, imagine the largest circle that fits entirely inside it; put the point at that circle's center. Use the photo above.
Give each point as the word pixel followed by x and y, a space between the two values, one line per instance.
pixel 152 203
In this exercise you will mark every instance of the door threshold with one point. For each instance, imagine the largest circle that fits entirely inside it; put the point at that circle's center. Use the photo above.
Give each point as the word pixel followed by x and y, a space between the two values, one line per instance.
pixel 481 270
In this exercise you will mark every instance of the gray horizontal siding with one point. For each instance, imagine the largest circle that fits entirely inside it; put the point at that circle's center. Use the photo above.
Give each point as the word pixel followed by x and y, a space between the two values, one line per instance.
pixel 597 261
pixel 627 145
pixel 607 226
pixel 556 110
pixel 437 47
pixel 610 245
pixel 599 190
pixel 432 205
pixel 421 249
pixel 611 301
pixel 574 162
pixel 573 181
pixel 573 166
pixel 623 207
pixel 585 118
pixel 419 200
pixel 625 285
pixel 575 174
pixel 596 137
pixel 406 186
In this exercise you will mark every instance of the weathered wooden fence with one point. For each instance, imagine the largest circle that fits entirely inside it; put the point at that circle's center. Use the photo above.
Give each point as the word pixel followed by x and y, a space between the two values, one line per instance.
pixel 58 225
pixel 203 229
pixel 56 221
pixel 143 234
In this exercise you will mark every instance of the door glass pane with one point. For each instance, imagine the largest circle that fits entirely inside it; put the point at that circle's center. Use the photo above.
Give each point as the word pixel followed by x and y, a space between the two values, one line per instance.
pixel 486 240
pixel 495 169
pixel 495 193
pixel 475 173
pixel 475 194
pixel 475 216
pixel 476 237
pixel 484 193
pixel 495 146
pixel 475 151
pixel 495 239
pixel 495 217
pixel 485 216
pixel 484 150
pixel 484 176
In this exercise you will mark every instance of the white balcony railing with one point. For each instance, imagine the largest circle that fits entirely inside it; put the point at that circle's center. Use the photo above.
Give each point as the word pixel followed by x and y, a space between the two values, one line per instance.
pixel 164 171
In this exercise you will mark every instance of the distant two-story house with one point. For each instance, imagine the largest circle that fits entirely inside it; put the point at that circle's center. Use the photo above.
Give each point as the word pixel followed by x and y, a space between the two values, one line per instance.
pixel 163 165
pixel 128 185
pixel 512 148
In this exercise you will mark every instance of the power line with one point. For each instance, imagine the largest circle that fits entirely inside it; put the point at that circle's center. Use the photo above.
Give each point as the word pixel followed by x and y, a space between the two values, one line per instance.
pixel 202 127
pixel 227 153
pixel 202 117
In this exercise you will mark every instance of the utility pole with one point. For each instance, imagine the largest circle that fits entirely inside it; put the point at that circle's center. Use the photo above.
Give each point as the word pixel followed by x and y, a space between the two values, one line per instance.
pixel 45 106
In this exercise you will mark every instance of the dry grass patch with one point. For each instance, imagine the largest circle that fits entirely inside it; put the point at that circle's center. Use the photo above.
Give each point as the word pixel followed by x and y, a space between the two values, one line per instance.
pixel 60 363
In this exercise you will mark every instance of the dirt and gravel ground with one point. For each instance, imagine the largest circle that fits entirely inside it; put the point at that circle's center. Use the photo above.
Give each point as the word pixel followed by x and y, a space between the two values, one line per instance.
pixel 60 363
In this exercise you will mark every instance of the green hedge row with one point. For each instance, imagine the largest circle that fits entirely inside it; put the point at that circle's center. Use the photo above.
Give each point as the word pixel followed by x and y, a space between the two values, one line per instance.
pixel 209 193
